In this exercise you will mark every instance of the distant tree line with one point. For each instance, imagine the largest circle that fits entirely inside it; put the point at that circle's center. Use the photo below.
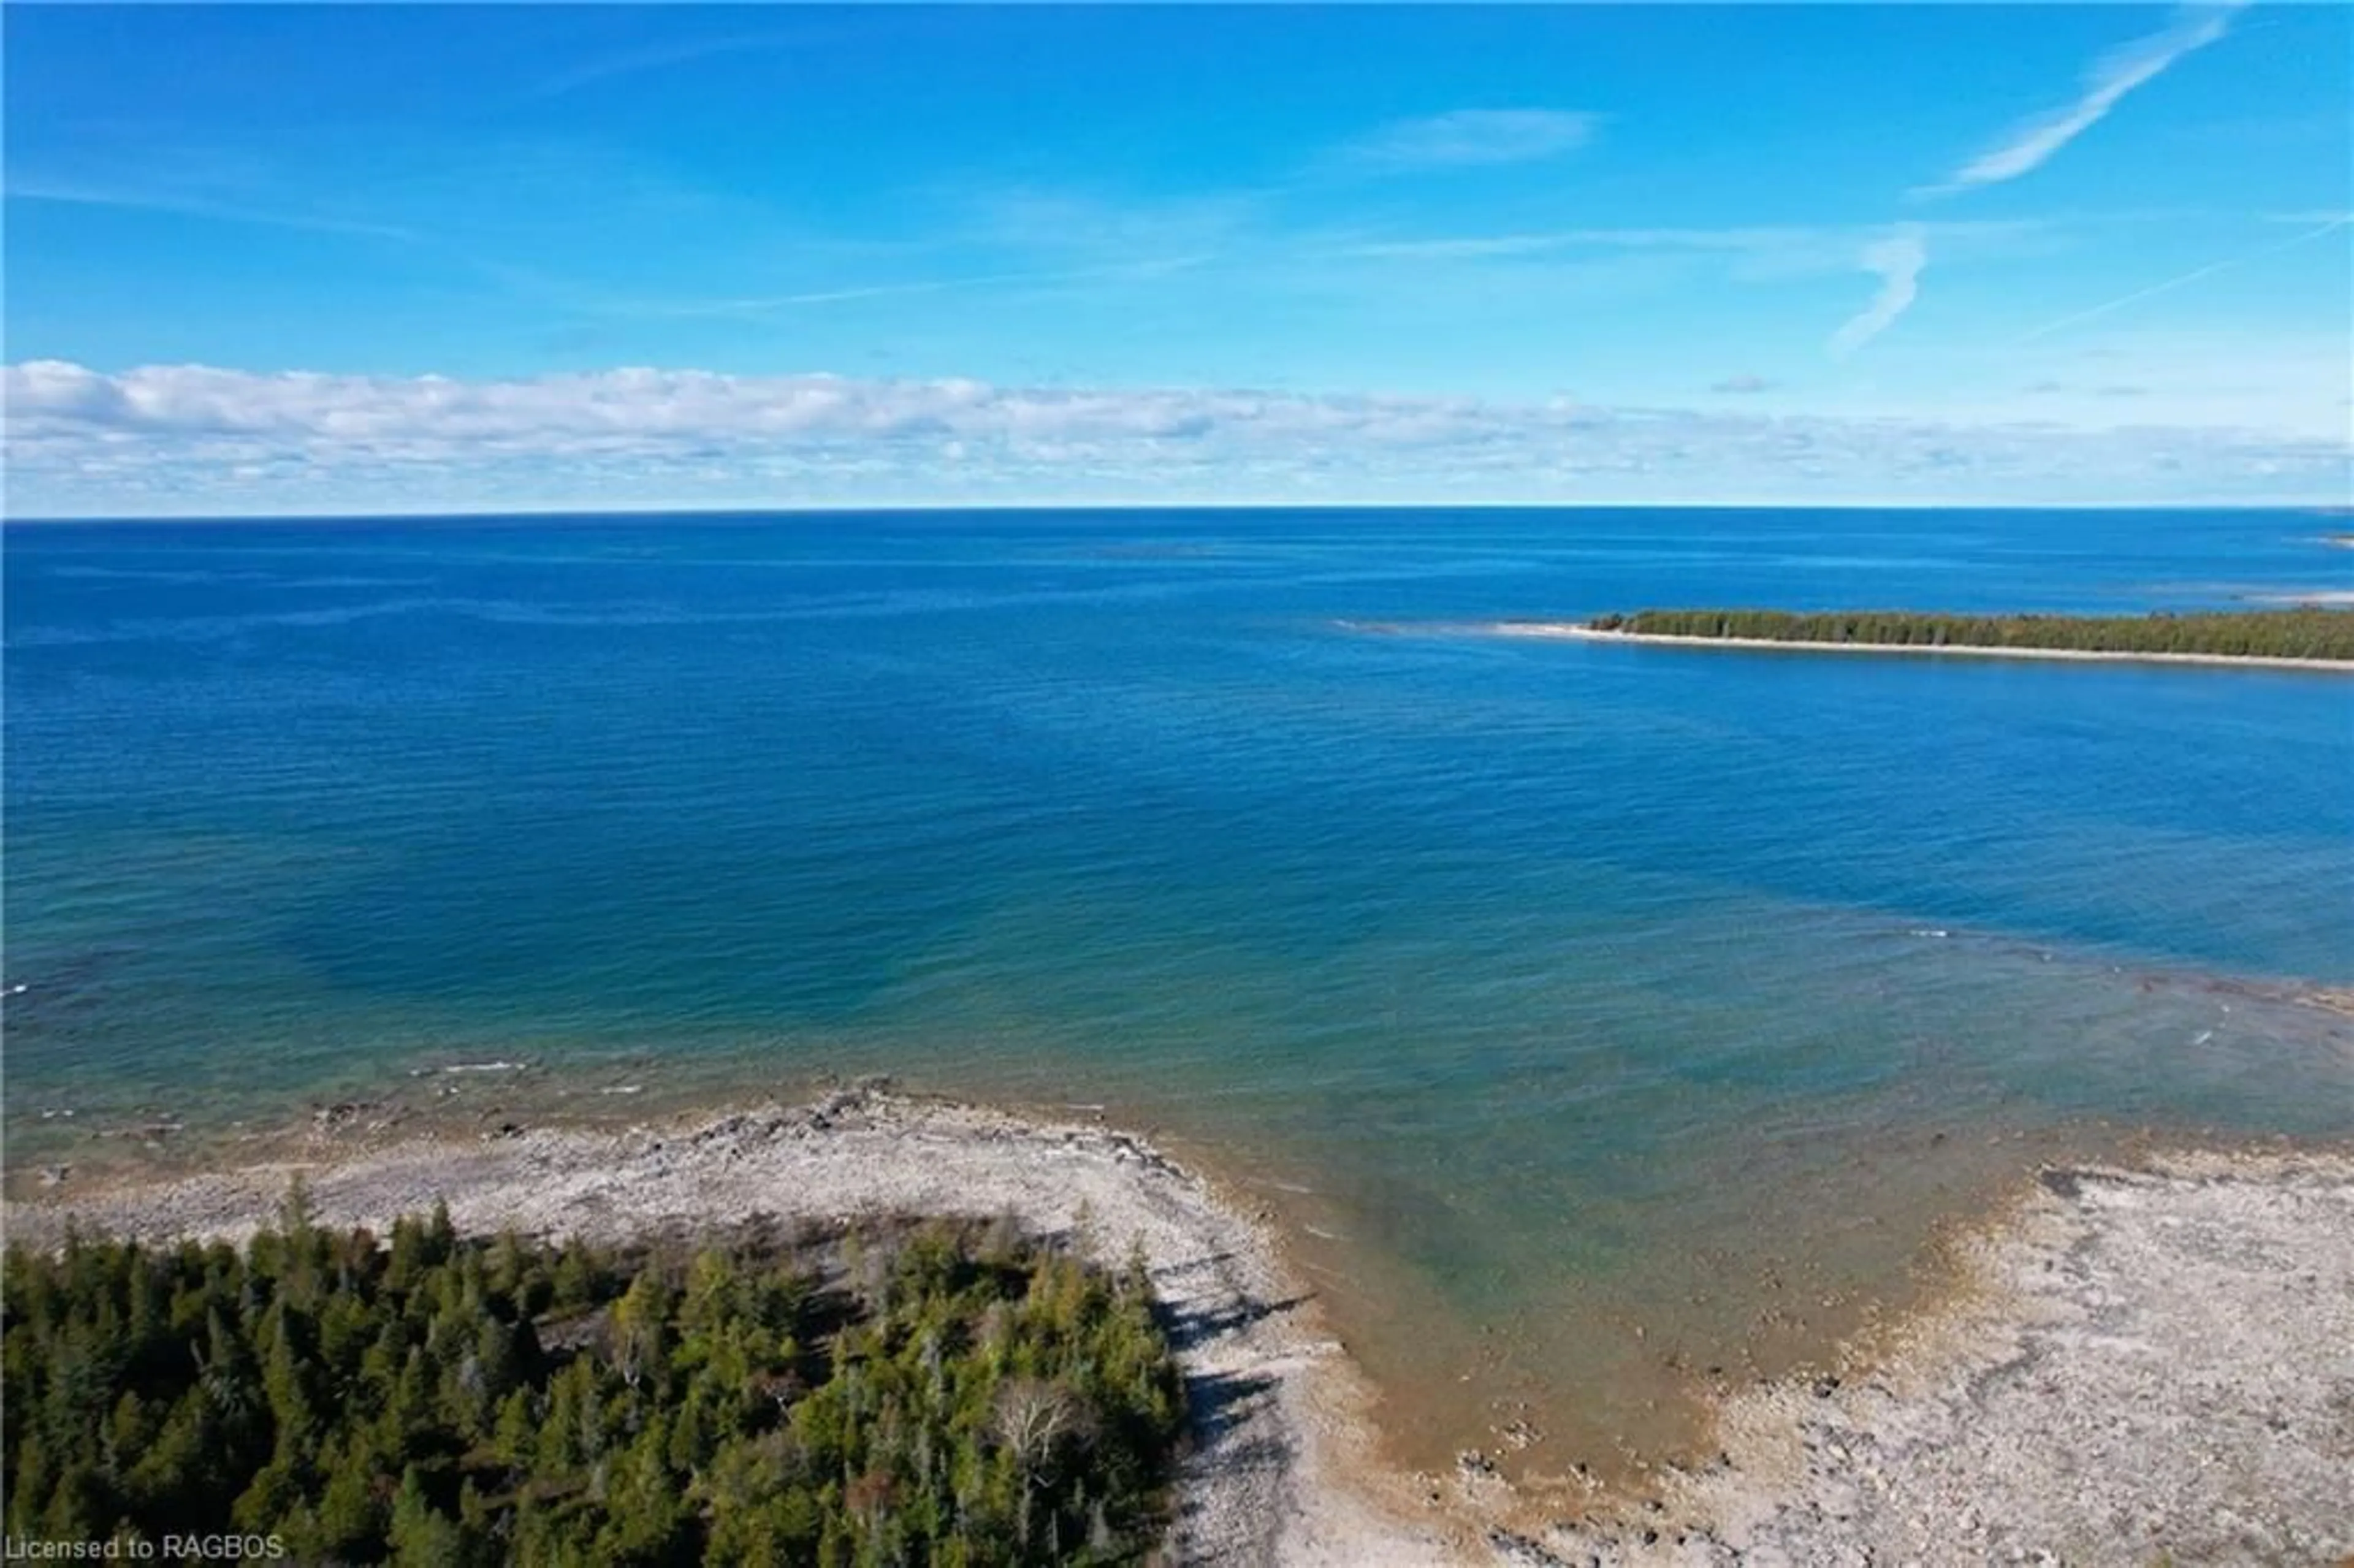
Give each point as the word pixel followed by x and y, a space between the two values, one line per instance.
pixel 946 1393
pixel 2276 633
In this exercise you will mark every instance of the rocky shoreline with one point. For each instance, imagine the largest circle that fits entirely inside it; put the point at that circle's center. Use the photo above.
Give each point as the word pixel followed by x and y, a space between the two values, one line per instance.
pixel 2137 1364
pixel 1281 1435
pixel 2143 1365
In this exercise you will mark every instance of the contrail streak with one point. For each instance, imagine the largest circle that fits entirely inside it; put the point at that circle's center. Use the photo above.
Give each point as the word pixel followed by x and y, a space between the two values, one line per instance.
pixel 2048 328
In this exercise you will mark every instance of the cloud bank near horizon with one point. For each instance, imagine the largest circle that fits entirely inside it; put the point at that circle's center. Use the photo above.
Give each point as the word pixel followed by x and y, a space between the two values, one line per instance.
pixel 181 438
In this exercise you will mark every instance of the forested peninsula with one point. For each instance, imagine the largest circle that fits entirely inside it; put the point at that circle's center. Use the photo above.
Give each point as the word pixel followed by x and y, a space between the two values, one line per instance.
pixel 953 1393
pixel 2302 635
pixel 712 1337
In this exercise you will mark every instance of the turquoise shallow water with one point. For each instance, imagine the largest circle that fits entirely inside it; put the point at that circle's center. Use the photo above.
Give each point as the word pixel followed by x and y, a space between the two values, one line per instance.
pixel 1552 973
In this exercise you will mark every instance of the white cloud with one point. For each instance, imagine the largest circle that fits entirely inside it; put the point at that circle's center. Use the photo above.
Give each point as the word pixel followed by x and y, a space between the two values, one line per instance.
pixel 184 439
pixel 425 418
pixel 1899 259
pixel 2028 145
pixel 1467 138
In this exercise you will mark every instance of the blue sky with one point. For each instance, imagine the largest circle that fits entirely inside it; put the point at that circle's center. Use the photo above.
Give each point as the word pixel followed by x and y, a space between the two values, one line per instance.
pixel 291 259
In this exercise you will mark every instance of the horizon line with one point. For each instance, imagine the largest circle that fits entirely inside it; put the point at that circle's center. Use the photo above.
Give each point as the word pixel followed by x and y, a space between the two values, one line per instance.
pixel 556 512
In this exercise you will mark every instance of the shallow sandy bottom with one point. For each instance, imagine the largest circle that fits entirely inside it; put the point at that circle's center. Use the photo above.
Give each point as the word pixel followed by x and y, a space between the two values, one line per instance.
pixel 2139 1366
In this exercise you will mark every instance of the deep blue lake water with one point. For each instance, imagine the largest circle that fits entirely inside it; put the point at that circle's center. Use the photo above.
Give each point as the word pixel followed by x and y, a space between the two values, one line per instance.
pixel 1541 979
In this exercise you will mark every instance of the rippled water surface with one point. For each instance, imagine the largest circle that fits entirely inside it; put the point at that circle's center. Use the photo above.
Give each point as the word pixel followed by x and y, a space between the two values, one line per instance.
pixel 1548 988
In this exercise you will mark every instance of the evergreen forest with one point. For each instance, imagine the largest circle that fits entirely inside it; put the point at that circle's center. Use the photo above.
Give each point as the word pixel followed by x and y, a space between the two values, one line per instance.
pixel 941 1393
pixel 2302 633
